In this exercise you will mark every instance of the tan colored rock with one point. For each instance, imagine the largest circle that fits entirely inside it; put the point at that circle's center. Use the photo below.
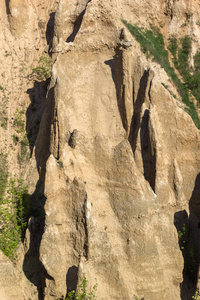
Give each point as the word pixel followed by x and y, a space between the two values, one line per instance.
pixel 137 163
pixel 117 156
pixel 21 46
pixel 13 284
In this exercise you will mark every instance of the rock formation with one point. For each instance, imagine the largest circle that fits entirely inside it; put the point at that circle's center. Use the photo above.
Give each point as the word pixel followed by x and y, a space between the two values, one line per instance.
pixel 114 172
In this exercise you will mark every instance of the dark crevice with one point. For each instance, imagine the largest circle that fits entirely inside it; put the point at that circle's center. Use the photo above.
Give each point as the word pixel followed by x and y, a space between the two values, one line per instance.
pixel 7 7
pixel 188 237
pixel 37 95
pixel 149 92
pixel 50 30
pixel 56 135
pixel 39 120
pixel 77 25
pixel 188 248
pixel 136 119
pixel 148 151
pixel 32 267
pixel 34 113
pixel 43 142
pixel 72 279
pixel 86 245
pixel 116 67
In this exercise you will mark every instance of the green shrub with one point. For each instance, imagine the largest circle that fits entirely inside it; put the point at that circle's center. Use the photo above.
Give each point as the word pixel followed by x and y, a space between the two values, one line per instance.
pixel 14 214
pixel 60 164
pixel 196 296
pixel 82 293
pixel 43 70
pixel 197 62
pixel 19 121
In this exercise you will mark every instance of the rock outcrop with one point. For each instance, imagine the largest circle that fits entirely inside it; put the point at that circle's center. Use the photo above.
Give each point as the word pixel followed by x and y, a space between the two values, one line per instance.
pixel 128 172
pixel 117 156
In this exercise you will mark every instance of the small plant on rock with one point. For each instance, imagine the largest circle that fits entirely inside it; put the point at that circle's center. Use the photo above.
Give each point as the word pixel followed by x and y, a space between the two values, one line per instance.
pixel 182 236
pixel 196 296
pixel 19 121
pixel 82 293
pixel 43 70
pixel 14 213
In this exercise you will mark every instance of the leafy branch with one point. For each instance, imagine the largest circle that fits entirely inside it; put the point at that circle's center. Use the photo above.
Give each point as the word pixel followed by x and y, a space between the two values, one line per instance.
pixel 82 293
pixel 43 70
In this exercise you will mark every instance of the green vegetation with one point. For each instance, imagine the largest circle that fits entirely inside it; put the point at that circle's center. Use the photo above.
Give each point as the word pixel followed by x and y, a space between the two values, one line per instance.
pixel 3 110
pixel 152 44
pixel 43 70
pixel 19 121
pixel 15 139
pixel 14 213
pixel 4 122
pixel 196 296
pixel 187 246
pixel 173 48
pixel 190 75
pixel 82 293
pixel 167 88
pixel 60 164
pixel 24 153
pixel 3 173
pixel 182 236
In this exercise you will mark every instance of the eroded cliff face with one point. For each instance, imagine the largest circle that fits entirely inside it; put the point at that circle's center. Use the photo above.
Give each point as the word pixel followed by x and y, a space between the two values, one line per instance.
pixel 26 30
pixel 116 154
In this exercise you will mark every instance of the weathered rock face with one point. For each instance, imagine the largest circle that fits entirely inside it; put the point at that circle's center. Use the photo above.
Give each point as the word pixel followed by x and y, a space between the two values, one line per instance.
pixel 117 156
pixel 23 34
pixel 10 275
pixel 124 158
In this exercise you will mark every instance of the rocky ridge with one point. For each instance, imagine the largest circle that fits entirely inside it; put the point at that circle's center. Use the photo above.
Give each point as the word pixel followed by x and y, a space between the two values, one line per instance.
pixel 115 163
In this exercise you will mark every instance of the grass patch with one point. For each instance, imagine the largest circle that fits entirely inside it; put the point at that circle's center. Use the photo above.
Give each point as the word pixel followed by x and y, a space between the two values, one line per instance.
pixel 167 88
pixel 191 75
pixel 152 44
